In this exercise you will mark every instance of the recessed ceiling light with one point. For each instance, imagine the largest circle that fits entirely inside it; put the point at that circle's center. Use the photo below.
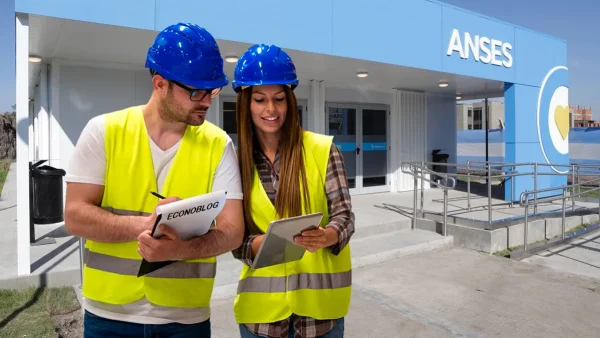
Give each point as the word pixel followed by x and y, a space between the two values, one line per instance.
pixel 362 74
pixel 459 97
pixel 34 58
pixel 231 58
pixel 443 84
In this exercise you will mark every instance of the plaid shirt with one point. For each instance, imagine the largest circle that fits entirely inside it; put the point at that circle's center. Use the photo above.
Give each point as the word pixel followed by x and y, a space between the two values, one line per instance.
pixel 341 219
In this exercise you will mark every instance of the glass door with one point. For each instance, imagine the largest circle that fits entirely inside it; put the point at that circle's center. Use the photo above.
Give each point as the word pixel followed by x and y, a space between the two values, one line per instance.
pixel 374 159
pixel 360 132
pixel 341 124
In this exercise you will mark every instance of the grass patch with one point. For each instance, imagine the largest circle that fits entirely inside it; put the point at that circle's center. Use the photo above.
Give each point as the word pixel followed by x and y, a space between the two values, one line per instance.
pixel 30 312
pixel 586 193
pixel 4 166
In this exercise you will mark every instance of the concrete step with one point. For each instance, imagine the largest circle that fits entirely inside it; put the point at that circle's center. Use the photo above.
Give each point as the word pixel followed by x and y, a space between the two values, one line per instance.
pixel 371 244
pixel 361 232
pixel 365 251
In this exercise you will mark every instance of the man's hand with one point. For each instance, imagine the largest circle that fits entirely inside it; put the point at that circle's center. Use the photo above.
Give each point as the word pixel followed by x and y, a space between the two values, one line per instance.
pixel 168 247
pixel 150 220
pixel 316 239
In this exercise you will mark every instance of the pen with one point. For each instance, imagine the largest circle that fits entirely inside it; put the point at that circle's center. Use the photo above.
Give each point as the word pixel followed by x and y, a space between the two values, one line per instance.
pixel 157 195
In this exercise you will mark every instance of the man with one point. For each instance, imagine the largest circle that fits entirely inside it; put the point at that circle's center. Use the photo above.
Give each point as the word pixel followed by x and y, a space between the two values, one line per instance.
pixel 165 146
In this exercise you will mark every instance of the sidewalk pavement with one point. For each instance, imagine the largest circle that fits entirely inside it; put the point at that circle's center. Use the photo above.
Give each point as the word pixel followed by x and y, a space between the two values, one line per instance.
pixel 459 293
pixel 8 223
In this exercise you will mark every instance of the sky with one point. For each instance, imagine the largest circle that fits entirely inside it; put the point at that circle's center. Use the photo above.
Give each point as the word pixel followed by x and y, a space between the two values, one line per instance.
pixel 7 56
pixel 575 21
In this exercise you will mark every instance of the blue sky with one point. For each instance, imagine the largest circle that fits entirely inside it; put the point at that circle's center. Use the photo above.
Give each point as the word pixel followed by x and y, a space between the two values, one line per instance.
pixel 7 57
pixel 573 20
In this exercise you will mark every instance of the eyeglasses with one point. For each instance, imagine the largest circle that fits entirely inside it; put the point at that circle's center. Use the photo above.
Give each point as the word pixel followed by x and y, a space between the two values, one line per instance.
pixel 198 94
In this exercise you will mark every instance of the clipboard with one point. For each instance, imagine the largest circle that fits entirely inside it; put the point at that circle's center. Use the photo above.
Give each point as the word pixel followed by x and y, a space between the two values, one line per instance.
pixel 278 244
pixel 186 217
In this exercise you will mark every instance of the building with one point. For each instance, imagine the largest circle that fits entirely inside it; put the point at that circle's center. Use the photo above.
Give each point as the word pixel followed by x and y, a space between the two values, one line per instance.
pixel 582 117
pixel 382 77
pixel 471 116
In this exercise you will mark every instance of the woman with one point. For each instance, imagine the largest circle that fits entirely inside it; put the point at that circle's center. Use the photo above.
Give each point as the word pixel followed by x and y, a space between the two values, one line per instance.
pixel 278 162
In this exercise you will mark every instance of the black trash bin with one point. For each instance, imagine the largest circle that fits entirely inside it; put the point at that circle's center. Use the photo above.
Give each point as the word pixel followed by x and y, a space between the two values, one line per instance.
pixel 439 158
pixel 46 193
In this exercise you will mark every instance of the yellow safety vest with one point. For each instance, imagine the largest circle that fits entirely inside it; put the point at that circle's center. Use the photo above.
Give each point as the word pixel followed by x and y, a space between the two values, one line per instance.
pixel 110 269
pixel 317 286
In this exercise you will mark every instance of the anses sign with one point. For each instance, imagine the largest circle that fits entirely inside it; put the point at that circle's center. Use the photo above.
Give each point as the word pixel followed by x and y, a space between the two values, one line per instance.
pixel 482 48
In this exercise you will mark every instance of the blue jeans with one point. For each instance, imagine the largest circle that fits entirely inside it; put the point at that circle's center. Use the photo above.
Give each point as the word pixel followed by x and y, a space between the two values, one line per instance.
pixel 98 327
pixel 336 332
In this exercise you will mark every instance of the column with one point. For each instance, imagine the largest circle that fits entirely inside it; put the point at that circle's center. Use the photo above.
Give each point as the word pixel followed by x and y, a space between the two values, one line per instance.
pixel 22 102
pixel 43 116
pixel 316 107
pixel 395 141
pixel 537 126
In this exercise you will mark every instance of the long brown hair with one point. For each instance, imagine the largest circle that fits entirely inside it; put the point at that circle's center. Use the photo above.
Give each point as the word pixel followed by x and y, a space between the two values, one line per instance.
pixel 292 173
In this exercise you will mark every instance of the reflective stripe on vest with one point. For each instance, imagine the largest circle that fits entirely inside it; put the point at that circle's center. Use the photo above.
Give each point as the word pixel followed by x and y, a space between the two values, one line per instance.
pixel 314 281
pixel 318 285
pixel 130 267
pixel 110 269
pixel 123 212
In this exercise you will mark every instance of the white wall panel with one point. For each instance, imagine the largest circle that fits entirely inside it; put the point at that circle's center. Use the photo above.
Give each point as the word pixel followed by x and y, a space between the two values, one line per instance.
pixel 441 119
pixel 412 109
pixel 85 92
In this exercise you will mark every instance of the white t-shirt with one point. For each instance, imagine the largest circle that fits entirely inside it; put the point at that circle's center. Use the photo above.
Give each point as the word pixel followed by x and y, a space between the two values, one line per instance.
pixel 88 165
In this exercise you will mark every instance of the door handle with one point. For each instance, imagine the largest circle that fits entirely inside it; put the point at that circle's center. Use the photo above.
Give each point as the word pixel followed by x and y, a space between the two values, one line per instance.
pixel 357 150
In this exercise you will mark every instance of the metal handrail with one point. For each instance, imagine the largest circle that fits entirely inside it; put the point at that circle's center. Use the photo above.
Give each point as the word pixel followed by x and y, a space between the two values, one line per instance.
pixel 525 202
pixel 509 171
pixel 445 187
pixel 429 171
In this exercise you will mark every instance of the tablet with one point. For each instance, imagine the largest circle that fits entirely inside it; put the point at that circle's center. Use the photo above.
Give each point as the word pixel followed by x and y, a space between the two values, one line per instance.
pixel 278 244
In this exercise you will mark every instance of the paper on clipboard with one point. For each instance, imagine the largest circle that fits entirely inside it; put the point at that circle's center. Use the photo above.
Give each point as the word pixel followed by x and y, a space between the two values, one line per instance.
pixel 190 217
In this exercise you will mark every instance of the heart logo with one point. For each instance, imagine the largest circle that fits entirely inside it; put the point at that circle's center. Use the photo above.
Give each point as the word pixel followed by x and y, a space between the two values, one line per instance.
pixel 561 118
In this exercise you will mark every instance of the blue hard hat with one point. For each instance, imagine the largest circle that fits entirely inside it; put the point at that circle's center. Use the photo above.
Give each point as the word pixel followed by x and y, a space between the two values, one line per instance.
pixel 264 65
pixel 188 54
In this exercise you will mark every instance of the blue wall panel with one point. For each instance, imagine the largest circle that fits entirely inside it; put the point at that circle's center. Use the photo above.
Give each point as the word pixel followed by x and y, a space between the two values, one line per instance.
pixel 409 33
pixel 126 13
pixel 478 28
pixel 520 106
pixel 537 54
pixel 303 25
pixel 478 136
pixel 396 32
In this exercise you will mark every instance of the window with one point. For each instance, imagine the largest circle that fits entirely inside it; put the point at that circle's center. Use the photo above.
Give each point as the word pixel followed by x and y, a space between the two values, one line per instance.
pixel 477 118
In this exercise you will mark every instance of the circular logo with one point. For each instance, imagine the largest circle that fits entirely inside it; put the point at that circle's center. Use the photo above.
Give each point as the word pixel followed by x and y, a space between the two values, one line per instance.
pixel 553 122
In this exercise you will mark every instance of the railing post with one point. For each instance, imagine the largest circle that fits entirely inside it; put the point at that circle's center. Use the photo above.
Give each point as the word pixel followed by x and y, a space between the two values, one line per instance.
pixel 512 186
pixel 564 202
pixel 81 248
pixel 422 189
pixel 445 211
pixel 414 222
pixel 468 188
pixel 525 225
pixel 573 188
pixel 577 178
pixel 535 178
pixel 489 179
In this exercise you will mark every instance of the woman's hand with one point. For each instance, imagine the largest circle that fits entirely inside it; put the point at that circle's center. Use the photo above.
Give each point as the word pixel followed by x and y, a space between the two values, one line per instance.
pixel 316 239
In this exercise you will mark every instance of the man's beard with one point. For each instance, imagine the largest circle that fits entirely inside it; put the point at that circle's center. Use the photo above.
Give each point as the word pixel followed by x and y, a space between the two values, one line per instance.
pixel 171 111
